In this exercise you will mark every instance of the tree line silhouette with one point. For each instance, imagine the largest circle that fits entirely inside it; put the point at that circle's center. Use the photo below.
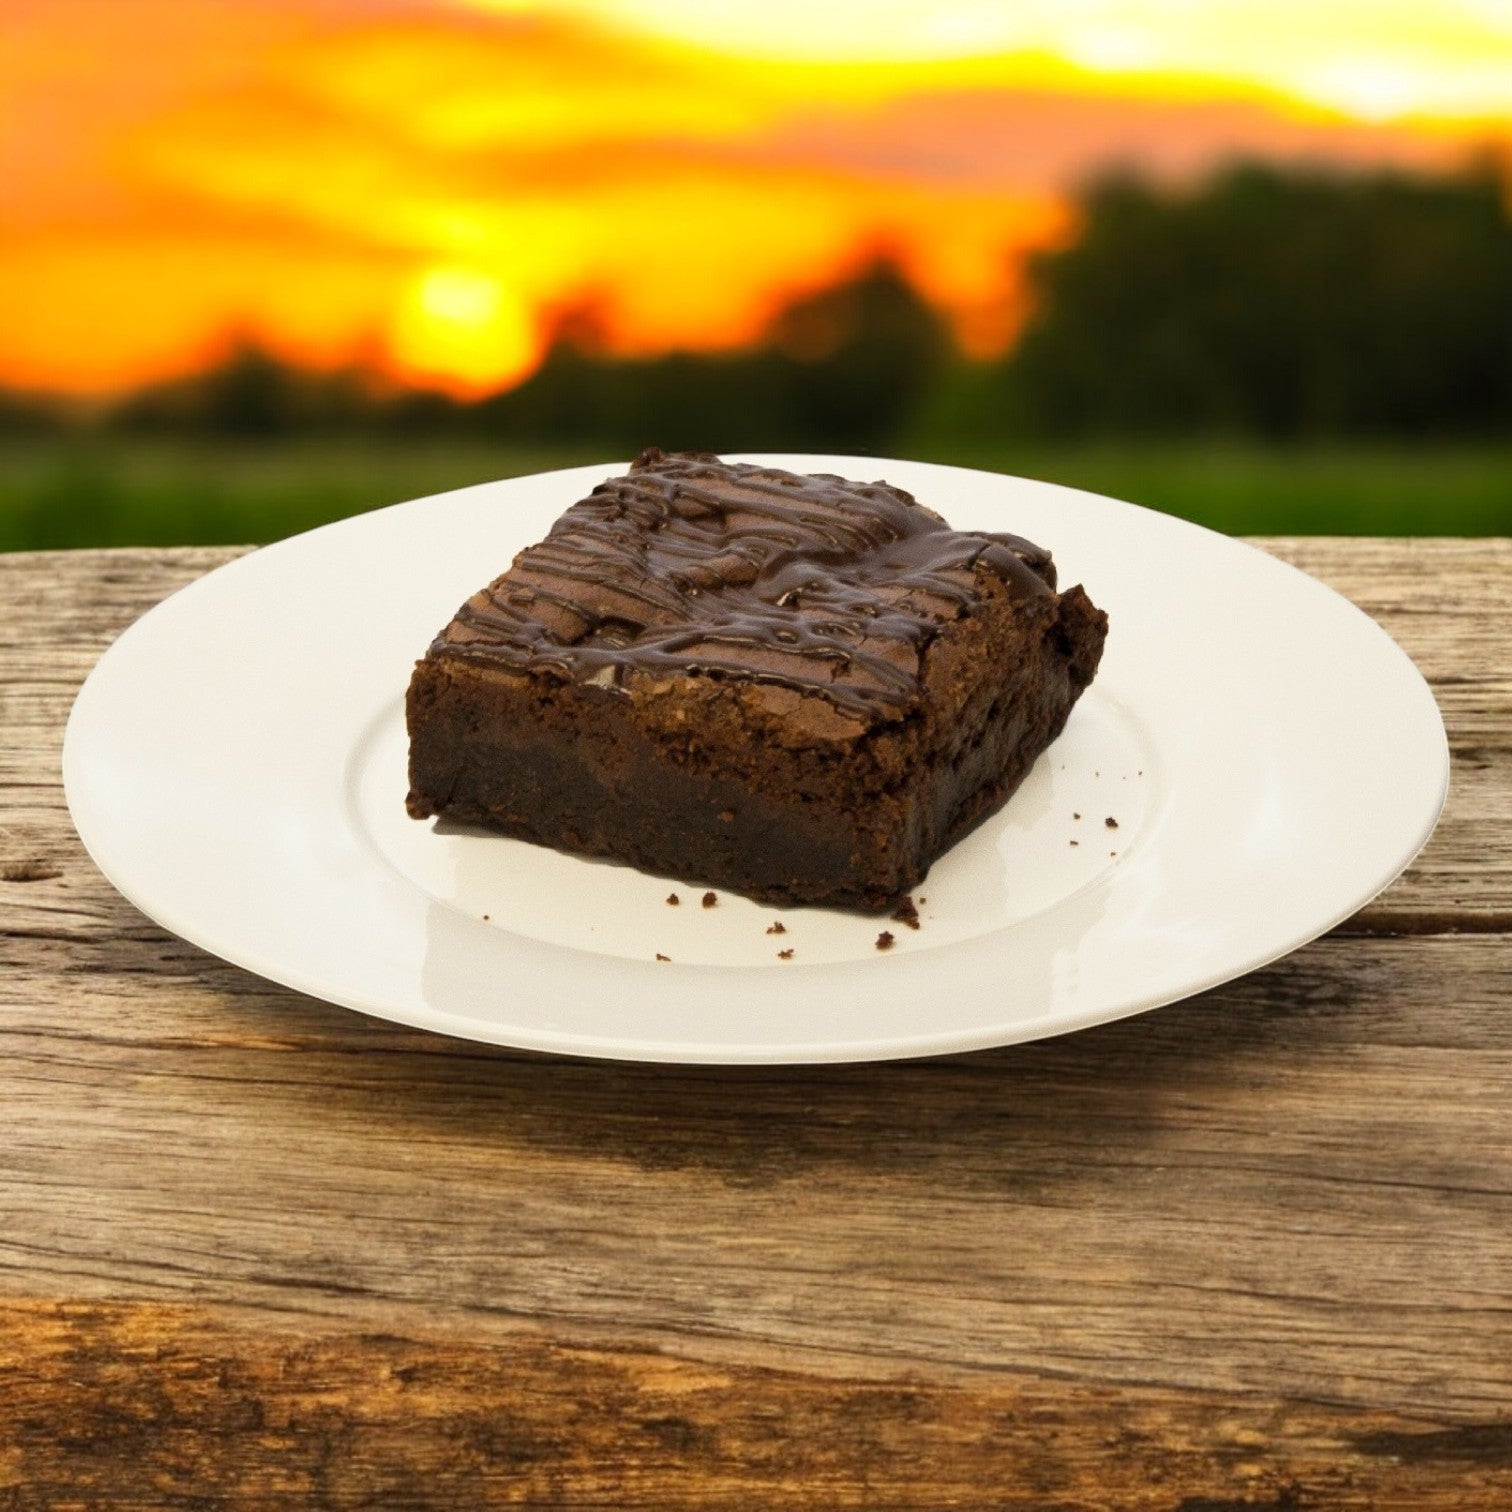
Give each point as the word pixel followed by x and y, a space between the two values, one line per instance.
pixel 1279 303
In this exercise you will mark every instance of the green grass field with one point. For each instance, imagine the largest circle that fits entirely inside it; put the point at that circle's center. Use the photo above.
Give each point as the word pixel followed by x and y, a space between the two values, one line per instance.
pixel 106 490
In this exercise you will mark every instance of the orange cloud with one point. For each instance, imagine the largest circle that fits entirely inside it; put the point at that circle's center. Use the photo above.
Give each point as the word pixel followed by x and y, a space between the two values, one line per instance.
pixel 425 187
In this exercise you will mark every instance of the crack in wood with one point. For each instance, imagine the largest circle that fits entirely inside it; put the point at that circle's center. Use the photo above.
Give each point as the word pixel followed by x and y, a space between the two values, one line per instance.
pixel 29 871
pixel 1487 1444
pixel 1431 921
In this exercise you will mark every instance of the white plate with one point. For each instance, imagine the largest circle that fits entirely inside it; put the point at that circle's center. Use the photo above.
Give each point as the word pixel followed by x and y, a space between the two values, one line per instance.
pixel 236 766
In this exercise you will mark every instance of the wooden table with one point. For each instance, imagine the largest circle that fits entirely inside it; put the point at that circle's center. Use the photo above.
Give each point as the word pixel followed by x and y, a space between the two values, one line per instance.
pixel 1252 1251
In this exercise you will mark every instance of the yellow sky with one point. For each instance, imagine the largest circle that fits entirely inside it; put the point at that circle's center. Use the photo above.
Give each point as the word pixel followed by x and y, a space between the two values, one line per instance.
pixel 1377 59
pixel 426 185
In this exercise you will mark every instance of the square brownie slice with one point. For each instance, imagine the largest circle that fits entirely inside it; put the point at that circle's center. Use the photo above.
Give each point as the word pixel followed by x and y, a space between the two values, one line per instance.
pixel 799 688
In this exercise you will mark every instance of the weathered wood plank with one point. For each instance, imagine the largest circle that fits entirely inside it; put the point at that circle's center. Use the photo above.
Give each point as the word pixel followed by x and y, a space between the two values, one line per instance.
pixel 1447 602
pixel 155 1407
pixel 1299 1184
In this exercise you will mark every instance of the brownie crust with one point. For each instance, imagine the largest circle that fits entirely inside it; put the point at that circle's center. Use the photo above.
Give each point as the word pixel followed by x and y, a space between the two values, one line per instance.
pixel 799 688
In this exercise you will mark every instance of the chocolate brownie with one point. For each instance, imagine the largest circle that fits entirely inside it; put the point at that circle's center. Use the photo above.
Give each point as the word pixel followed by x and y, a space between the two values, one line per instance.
pixel 799 688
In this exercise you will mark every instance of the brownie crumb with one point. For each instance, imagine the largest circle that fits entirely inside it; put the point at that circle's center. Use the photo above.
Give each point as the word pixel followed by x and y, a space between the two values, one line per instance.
pixel 885 940
pixel 777 927
pixel 1111 822
pixel 673 900
pixel 485 918
pixel 923 901
pixel 661 957
pixel 907 912
pixel 1076 842
pixel 785 955
pixel 710 899
pixel 1076 816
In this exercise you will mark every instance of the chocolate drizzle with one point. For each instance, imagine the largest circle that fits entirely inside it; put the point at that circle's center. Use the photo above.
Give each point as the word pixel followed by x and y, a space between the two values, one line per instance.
pixel 691 565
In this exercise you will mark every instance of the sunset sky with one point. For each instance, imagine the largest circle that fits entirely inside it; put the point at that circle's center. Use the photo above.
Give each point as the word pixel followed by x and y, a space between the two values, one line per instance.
pixel 425 186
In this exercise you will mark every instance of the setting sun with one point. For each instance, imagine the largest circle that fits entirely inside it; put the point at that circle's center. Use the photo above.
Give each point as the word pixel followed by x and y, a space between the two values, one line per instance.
pixel 465 329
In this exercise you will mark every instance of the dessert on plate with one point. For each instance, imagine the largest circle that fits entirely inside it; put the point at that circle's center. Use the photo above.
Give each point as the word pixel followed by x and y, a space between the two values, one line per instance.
pixel 797 687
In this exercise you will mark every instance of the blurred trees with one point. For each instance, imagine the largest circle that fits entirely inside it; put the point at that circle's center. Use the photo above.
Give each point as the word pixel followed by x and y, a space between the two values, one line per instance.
pixel 252 393
pixel 1278 303
pixel 1275 302
pixel 846 370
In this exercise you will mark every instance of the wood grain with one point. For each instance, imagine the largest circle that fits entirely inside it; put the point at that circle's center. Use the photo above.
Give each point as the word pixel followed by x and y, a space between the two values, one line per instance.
pixel 120 1405
pixel 1251 1251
